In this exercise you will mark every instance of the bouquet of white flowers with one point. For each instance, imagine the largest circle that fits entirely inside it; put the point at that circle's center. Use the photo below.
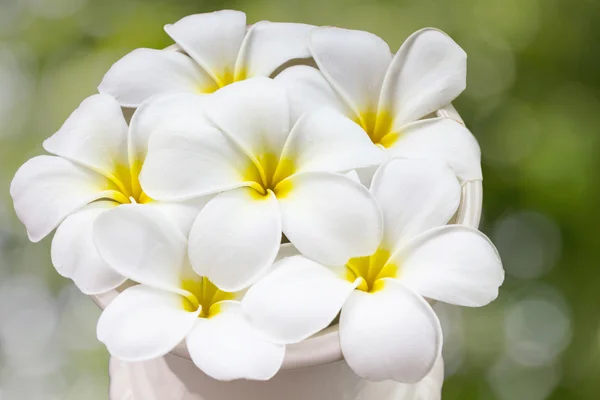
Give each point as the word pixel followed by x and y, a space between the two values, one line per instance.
pixel 274 180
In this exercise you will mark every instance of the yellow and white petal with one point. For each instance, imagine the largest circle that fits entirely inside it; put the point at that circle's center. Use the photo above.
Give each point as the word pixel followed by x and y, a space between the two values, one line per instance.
pixel 308 90
pixel 95 135
pixel 454 264
pixel 269 45
pixel 227 347
pixel 427 73
pixel 326 140
pixel 354 63
pixel 192 162
pixel 441 139
pixel 46 189
pixel 391 333
pixel 170 112
pixel 236 238
pixel 212 39
pixel 144 323
pixel 144 73
pixel 329 217
pixel 295 301
pixel 140 243
pixel 74 254
pixel 414 195
pixel 255 114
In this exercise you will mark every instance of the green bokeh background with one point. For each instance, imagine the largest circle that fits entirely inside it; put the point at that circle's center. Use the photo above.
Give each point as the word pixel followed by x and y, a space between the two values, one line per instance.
pixel 532 102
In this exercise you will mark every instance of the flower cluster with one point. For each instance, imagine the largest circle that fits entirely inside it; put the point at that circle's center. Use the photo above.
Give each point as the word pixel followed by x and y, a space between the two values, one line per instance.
pixel 273 178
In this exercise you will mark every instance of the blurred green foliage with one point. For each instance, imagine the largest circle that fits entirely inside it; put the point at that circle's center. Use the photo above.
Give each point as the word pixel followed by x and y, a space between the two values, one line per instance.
pixel 532 101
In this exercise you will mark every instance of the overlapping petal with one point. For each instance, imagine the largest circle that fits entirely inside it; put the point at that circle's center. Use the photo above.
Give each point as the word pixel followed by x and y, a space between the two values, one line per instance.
pixel 390 334
pixel 454 264
pixel 298 299
pixel 143 323
pixel 144 73
pixel 414 195
pixel 329 217
pixel 428 72
pixel 227 347
pixel 235 238
pixel 441 139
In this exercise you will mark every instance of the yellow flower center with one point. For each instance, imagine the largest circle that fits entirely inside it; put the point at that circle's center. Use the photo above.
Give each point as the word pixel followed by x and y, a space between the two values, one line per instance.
pixel 378 126
pixel 203 293
pixel 125 185
pixel 269 173
pixel 220 80
pixel 371 270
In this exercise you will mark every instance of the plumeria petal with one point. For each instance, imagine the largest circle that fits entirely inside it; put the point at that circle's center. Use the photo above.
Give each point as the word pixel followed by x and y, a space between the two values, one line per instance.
pixel 354 63
pixel 454 264
pixel 170 112
pixel 441 139
pixel 255 114
pixel 269 45
pixel 235 238
pixel 143 245
pixel 429 388
pixel 227 347
pixel 212 39
pixel 427 73
pixel 143 323
pixel 329 217
pixel 390 334
pixel 295 301
pixel 186 163
pixel 95 135
pixel 74 254
pixel 182 214
pixel 414 196
pixel 144 73
pixel 326 140
pixel 46 189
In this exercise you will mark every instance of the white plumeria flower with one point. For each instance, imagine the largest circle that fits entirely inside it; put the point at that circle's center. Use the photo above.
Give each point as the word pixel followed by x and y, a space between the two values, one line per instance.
pixel 270 178
pixel 94 168
pixel 220 49
pixel 389 95
pixel 387 329
pixel 172 303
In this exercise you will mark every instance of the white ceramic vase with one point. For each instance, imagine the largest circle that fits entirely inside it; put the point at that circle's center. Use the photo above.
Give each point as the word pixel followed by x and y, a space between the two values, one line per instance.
pixel 313 369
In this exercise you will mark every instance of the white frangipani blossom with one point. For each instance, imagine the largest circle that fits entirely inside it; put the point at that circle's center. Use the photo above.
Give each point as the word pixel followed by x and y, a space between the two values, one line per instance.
pixel 94 168
pixel 389 95
pixel 220 49
pixel 172 303
pixel 387 329
pixel 268 177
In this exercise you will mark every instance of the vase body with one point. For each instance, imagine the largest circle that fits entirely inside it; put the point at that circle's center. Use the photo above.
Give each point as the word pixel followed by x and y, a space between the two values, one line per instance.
pixel 175 378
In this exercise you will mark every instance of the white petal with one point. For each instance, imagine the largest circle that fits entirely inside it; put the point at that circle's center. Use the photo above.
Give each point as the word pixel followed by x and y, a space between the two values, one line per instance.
pixel 441 139
pixel 269 45
pixel 427 73
pixel 235 238
pixel 187 163
pixel 144 73
pixel 315 136
pixel 390 334
pixel 143 323
pixel 95 135
pixel 74 254
pixel 308 90
pixel 254 113
pixel 46 189
pixel 354 62
pixel 429 388
pixel 143 245
pixel 170 112
pixel 182 214
pixel 414 196
pixel 212 39
pixel 330 218
pixel 227 347
pixel 295 301
pixel 454 264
